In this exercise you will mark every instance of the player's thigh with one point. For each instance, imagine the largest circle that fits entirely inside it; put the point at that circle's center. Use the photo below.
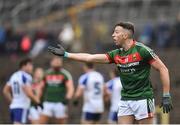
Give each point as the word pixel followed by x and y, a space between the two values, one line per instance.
pixel 146 121
pixel 125 114
pixel 19 115
pixel 60 120
pixel 60 111
pixel 128 119
pixel 46 112
pixel 143 109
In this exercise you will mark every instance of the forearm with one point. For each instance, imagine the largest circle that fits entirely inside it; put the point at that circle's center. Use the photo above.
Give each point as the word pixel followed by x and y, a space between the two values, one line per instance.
pixel 70 93
pixel 164 76
pixel 8 97
pixel 85 57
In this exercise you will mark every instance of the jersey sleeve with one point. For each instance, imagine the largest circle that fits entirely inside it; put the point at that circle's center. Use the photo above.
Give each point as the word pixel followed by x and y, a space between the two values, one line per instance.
pixel 83 81
pixel 26 80
pixel 67 74
pixel 109 85
pixel 110 56
pixel 148 54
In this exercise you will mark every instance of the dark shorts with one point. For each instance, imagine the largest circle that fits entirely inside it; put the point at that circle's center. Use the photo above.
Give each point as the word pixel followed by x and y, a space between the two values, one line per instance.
pixel 91 116
pixel 19 115
pixel 113 116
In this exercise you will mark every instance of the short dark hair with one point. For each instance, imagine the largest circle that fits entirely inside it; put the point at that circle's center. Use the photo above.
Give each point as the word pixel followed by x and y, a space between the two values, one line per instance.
pixel 89 65
pixel 127 25
pixel 24 62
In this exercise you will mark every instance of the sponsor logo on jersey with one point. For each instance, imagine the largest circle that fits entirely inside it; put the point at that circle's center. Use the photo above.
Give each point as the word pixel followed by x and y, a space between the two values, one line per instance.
pixel 54 79
pixel 135 57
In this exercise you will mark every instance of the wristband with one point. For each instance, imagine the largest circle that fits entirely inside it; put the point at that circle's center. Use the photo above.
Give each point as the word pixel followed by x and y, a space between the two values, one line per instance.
pixel 65 54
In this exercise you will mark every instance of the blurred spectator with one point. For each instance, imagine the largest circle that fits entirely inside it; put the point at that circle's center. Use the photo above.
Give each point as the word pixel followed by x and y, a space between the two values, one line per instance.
pixel 2 38
pixel 176 30
pixel 39 44
pixel 146 36
pixel 26 44
pixel 163 33
pixel 67 36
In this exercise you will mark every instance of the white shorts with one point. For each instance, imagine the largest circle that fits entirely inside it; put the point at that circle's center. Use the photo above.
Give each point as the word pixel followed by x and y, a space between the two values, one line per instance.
pixel 34 114
pixel 56 110
pixel 141 109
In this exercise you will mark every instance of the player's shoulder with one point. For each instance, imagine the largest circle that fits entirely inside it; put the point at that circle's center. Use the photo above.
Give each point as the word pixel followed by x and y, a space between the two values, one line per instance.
pixel 115 51
pixel 66 73
pixel 142 47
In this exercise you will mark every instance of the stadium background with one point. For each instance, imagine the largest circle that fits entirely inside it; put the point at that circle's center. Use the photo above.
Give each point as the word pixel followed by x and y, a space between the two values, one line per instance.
pixel 27 27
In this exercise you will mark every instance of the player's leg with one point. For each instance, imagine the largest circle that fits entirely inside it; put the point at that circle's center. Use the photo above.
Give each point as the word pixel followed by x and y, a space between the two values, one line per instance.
pixel 60 112
pixel 19 115
pixel 144 111
pixel 125 113
pixel 112 117
pixel 46 113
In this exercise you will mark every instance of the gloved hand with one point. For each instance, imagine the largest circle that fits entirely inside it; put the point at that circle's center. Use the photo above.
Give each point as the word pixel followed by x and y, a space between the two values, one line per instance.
pixel 59 50
pixel 39 105
pixel 75 102
pixel 166 103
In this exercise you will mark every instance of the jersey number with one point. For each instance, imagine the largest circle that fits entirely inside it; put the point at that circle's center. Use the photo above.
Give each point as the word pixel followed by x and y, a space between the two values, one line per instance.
pixel 97 88
pixel 16 89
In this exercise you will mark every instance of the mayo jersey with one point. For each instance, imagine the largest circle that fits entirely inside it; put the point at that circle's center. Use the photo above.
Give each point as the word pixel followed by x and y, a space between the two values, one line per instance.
pixel 92 82
pixel 17 81
pixel 114 86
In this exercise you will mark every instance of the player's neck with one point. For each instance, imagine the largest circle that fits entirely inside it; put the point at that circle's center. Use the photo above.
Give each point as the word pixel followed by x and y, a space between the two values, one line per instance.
pixel 89 70
pixel 128 44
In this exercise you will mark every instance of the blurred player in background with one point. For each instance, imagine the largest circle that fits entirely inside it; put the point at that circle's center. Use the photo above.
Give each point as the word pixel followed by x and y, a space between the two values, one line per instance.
pixel 91 87
pixel 34 111
pixel 58 90
pixel 113 91
pixel 134 61
pixel 19 93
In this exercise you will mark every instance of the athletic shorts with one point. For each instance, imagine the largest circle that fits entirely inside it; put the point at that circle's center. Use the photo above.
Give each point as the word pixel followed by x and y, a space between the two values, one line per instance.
pixel 91 116
pixel 141 109
pixel 34 113
pixel 54 109
pixel 19 115
pixel 112 117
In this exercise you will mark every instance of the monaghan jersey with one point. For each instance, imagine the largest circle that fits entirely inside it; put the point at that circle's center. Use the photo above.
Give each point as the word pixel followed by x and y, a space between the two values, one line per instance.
pixel 114 87
pixel 134 70
pixel 17 81
pixel 92 82
pixel 55 85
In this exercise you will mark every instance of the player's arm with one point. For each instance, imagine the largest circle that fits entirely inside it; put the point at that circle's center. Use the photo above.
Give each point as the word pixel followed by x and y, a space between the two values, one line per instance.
pixel 70 89
pixel 84 57
pixel 79 92
pixel 164 74
pixel 29 92
pixel 107 94
pixel 7 92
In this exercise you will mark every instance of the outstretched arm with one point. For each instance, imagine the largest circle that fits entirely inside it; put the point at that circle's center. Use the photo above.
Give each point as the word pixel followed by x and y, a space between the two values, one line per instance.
pixel 84 57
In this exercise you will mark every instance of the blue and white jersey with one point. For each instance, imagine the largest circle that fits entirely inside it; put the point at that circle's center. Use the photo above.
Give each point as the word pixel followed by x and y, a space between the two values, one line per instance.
pixel 17 81
pixel 92 82
pixel 114 86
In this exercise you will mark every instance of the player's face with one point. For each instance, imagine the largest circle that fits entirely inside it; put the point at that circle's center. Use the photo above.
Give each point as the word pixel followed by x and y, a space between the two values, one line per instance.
pixel 38 73
pixel 56 62
pixel 119 35
pixel 29 68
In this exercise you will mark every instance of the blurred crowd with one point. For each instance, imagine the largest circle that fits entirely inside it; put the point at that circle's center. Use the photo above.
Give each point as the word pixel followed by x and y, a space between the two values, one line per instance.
pixel 17 41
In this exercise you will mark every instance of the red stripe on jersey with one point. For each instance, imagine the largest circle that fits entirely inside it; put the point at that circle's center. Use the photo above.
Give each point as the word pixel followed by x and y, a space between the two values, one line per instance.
pixel 109 58
pixel 135 57
pixel 54 77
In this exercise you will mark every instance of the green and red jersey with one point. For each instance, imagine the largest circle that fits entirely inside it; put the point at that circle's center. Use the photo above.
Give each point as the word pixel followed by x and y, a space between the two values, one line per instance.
pixel 55 85
pixel 134 70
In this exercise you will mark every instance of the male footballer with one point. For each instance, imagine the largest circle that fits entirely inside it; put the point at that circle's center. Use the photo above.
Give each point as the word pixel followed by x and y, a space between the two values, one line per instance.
pixel 134 61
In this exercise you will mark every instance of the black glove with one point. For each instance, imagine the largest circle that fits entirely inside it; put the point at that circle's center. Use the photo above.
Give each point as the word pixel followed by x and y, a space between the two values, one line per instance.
pixel 75 102
pixel 39 105
pixel 166 103
pixel 59 50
